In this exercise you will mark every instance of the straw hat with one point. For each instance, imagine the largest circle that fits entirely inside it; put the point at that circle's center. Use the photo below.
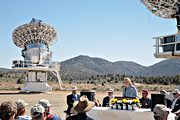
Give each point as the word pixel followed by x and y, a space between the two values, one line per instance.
pixel 111 90
pixel 74 88
pixel 176 91
pixel 83 105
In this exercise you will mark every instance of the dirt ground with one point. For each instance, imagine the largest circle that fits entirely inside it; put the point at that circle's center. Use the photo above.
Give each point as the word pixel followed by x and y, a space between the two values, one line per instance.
pixel 56 98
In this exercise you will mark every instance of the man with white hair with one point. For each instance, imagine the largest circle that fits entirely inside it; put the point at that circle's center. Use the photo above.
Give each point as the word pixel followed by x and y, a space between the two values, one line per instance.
pixel 108 98
pixel 176 102
pixel 71 99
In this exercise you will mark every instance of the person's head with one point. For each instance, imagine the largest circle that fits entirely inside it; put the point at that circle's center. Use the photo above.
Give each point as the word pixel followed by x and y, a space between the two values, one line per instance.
pixel 163 92
pixel 38 112
pixel 93 92
pixel 110 92
pixel 21 104
pixel 83 105
pixel 74 89
pixel 46 104
pixel 176 93
pixel 127 82
pixel 161 112
pixel 8 110
pixel 144 93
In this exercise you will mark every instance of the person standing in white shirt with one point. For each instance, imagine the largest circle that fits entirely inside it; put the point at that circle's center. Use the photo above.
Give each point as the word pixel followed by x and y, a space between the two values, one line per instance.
pixel 176 102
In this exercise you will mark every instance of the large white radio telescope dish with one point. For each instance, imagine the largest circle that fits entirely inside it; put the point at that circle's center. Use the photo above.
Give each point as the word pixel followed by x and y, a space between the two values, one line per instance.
pixel 163 8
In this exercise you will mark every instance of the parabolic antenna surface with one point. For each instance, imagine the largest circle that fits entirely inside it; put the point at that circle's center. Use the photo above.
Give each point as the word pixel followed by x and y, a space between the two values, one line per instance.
pixel 163 8
pixel 34 32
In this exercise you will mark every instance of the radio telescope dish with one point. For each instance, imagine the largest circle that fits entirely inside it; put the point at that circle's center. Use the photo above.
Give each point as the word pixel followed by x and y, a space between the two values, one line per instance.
pixel 35 38
pixel 163 8
pixel 34 32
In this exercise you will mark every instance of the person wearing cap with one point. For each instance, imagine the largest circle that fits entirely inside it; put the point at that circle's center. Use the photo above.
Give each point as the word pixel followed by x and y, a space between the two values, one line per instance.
pixel 145 100
pixel 129 89
pixel 81 107
pixel 161 112
pixel 71 99
pixel 108 98
pixel 176 102
pixel 46 104
pixel 38 112
pixel 8 110
pixel 168 101
pixel 21 110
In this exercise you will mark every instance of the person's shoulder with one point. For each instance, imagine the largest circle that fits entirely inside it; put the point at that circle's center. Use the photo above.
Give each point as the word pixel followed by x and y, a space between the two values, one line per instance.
pixel 106 97
pixel 24 117
pixel 56 117
pixel 69 95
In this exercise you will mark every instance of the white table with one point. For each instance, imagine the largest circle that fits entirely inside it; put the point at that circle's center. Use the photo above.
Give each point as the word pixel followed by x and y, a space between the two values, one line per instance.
pixel 104 113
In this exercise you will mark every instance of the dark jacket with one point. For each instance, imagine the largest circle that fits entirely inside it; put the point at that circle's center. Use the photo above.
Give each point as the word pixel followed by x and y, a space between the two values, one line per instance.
pixel 70 101
pixel 106 101
pixel 177 106
pixel 79 116
pixel 145 103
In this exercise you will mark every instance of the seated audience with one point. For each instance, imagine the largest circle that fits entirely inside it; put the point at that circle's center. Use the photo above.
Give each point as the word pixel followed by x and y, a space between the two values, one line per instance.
pixel 8 110
pixel 176 102
pixel 145 101
pixel 108 98
pixel 21 110
pixel 38 112
pixel 168 101
pixel 96 101
pixel 81 107
pixel 130 89
pixel 71 99
pixel 46 104
pixel 161 112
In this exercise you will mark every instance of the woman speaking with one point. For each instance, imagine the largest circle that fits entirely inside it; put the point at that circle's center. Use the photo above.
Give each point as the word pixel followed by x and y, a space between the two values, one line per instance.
pixel 129 90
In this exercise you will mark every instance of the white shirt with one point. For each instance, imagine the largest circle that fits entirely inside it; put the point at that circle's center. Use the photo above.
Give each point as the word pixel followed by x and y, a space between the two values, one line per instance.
pixel 174 103
pixel 171 116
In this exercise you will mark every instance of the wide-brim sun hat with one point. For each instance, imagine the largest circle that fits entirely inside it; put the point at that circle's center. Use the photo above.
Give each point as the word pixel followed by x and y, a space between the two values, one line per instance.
pixel 111 90
pixel 176 91
pixel 74 88
pixel 83 105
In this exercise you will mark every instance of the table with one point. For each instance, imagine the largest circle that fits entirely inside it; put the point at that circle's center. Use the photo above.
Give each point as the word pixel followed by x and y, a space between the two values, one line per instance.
pixel 104 113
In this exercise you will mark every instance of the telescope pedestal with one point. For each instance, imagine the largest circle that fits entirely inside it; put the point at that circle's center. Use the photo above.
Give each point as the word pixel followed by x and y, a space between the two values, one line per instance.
pixel 36 87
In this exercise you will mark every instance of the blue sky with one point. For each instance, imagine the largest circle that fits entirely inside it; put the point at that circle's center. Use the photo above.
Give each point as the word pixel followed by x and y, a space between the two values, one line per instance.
pixel 116 30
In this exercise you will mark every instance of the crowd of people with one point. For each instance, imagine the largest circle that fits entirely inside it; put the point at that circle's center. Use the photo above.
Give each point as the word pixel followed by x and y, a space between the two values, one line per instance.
pixel 10 110
pixel 79 105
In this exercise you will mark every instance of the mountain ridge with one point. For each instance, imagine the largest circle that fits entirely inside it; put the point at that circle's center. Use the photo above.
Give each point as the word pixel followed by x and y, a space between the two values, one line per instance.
pixel 84 66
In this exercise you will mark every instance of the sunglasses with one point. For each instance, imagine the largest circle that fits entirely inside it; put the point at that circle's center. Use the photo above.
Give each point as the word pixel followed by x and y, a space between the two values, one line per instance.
pixel 174 93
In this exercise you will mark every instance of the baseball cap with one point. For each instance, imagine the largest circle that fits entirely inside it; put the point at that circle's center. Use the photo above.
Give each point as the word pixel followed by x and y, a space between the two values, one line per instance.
pixel 159 110
pixel 45 103
pixel 37 110
pixel 21 104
